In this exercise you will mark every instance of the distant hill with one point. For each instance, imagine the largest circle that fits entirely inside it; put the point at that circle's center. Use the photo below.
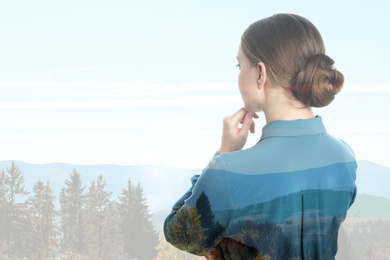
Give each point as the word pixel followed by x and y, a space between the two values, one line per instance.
pixel 164 185
pixel 369 206
pixel 365 206
pixel 373 179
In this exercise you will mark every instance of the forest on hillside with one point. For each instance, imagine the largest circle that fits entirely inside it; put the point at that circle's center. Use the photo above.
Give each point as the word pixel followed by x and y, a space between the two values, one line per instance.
pixel 90 224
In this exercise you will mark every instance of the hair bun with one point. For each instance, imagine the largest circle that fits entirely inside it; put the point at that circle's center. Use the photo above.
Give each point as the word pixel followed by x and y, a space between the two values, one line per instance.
pixel 318 83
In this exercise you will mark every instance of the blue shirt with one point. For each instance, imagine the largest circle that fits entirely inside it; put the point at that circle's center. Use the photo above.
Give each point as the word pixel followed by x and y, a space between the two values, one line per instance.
pixel 284 198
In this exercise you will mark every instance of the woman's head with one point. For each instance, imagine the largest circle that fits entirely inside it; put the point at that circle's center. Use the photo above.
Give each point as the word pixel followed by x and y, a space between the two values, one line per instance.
pixel 293 53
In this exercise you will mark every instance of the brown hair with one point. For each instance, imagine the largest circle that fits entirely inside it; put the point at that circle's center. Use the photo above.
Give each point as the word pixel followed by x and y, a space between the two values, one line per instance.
pixel 293 52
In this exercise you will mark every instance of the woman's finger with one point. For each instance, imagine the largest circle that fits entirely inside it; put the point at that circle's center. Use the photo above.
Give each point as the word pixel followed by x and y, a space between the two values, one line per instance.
pixel 239 115
pixel 252 128
pixel 246 125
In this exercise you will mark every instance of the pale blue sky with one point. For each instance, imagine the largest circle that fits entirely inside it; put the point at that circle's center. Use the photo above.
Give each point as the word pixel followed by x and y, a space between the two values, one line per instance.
pixel 131 82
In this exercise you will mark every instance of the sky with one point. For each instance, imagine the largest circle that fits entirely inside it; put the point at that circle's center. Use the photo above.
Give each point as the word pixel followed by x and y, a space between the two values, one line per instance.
pixel 137 82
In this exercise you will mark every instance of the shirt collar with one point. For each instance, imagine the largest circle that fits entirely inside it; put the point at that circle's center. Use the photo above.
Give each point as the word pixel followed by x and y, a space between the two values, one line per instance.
pixel 298 127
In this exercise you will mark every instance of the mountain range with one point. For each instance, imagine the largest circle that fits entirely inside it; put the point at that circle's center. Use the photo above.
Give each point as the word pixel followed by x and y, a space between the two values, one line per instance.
pixel 163 185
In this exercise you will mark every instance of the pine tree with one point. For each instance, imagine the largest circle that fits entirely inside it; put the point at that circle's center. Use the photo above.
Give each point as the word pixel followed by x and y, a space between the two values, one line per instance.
pixel 196 237
pixel 113 244
pixel 43 217
pixel 140 236
pixel 15 182
pixel 16 220
pixel 23 246
pixel 207 218
pixel 98 218
pixel 91 213
pixel 186 232
pixel 103 204
pixel 147 234
pixel 126 212
pixel 72 200
pixel 3 206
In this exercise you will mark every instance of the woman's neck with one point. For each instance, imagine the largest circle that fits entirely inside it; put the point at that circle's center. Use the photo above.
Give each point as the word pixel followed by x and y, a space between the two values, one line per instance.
pixel 280 114
pixel 286 109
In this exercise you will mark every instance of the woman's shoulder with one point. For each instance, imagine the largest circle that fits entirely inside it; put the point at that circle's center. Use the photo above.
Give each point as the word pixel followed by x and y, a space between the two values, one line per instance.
pixel 285 154
pixel 243 161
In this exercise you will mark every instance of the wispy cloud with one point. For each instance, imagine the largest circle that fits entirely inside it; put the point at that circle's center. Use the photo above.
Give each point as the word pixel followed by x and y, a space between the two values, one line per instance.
pixel 92 90
pixel 133 88
pixel 123 103
pixel 79 95
pixel 79 69
pixel 42 84
pixel 385 87
pixel 359 130
pixel 192 133
pixel 156 88
pixel 130 84
pixel 67 135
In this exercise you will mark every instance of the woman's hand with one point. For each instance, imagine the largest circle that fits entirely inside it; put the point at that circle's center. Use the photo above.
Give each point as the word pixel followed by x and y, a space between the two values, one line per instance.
pixel 233 137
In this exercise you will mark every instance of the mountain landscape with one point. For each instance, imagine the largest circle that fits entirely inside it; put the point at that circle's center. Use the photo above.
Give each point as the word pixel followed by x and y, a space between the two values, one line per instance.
pixel 164 185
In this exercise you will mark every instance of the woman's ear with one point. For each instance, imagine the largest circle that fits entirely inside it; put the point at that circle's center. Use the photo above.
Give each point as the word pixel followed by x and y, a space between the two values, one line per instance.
pixel 262 74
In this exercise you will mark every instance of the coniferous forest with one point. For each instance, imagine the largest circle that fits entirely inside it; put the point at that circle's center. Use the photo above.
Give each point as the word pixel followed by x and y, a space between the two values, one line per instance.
pixel 86 222
pixel 89 224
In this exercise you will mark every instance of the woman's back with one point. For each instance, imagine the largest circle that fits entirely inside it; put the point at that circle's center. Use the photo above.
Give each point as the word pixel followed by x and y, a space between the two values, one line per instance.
pixel 286 196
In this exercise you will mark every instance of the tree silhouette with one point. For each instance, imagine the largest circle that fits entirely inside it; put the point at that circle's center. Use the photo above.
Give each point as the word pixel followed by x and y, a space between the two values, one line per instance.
pixel 97 217
pixel 15 182
pixel 185 231
pixel 147 233
pixel 72 200
pixel 16 222
pixel 92 226
pixel 3 207
pixel 207 218
pixel 126 203
pixel 41 206
pixel 103 205
pixel 140 235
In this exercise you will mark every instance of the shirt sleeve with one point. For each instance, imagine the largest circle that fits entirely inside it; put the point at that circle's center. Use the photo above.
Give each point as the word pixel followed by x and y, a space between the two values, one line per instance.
pixel 353 172
pixel 348 146
pixel 200 218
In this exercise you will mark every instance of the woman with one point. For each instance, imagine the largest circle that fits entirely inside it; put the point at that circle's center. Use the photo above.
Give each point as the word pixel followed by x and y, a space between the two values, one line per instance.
pixel 285 197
